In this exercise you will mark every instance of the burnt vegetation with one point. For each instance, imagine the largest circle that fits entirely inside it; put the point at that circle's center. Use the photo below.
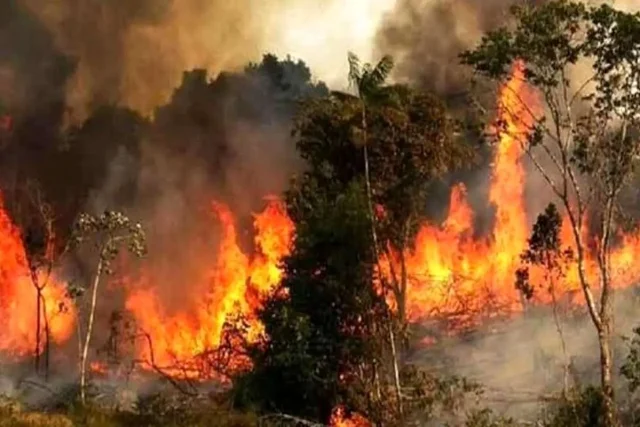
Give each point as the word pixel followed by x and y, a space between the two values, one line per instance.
pixel 359 172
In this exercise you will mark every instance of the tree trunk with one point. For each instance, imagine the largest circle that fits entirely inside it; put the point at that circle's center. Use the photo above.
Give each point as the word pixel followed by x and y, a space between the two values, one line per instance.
pixel 38 327
pixel 606 377
pixel 376 251
pixel 87 339
pixel 604 332
pixel 47 342
pixel 396 370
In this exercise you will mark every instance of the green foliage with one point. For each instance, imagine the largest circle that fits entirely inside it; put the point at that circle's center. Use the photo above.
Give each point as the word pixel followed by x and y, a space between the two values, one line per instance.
pixel 486 418
pixel 368 80
pixel 579 408
pixel 323 324
pixel 631 368
pixel 410 142
pixel 545 250
pixel 107 234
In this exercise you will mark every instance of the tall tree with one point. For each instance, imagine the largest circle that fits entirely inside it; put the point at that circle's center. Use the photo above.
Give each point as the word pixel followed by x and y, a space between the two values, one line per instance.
pixel 323 330
pixel 397 140
pixel 107 235
pixel 584 141
pixel 368 83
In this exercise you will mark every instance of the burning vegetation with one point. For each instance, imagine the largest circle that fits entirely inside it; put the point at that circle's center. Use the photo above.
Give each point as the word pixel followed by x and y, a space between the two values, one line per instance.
pixel 299 270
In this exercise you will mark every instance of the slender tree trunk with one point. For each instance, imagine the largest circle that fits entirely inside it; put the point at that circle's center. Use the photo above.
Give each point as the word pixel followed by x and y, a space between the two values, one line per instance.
pixel 396 371
pixel 604 341
pixel 87 339
pixel 604 332
pixel 600 318
pixel 47 340
pixel 38 327
pixel 606 377
pixel 374 236
pixel 367 179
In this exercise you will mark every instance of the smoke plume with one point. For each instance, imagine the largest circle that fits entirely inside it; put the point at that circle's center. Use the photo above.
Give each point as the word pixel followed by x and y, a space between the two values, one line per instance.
pixel 426 37
pixel 134 53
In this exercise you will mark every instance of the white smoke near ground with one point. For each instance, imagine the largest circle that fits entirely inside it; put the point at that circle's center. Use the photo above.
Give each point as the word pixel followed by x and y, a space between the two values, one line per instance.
pixel 522 361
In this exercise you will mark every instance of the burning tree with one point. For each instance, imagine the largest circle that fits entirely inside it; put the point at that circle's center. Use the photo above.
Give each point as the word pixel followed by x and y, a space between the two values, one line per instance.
pixel 584 141
pixel 40 250
pixel 108 234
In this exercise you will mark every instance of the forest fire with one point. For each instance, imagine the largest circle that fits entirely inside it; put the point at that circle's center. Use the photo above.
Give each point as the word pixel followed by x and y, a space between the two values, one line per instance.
pixel 450 272
pixel 453 274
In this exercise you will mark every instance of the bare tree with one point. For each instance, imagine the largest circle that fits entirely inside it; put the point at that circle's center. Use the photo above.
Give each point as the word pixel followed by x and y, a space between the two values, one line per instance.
pixel 42 252
pixel 584 141
pixel 106 234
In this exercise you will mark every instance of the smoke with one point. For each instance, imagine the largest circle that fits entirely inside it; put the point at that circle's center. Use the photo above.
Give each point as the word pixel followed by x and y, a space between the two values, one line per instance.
pixel 425 37
pixel 523 359
pixel 134 54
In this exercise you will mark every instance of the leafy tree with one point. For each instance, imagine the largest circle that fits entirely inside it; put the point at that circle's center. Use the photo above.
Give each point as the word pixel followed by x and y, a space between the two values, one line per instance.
pixel 204 110
pixel 107 234
pixel 579 407
pixel 583 141
pixel 545 251
pixel 394 138
pixel 323 345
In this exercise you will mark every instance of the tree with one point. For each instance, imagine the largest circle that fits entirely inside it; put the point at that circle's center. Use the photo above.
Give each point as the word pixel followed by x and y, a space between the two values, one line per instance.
pixel 41 253
pixel 584 142
pixel 368 83
pixel 403 135
pixel 406 138
pixel 545 251
pixel 107 234
pixel 323 324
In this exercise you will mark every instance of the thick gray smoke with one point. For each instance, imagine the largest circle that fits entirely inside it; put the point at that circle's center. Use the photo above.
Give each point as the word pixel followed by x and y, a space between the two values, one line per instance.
pixel 134 52
pixel 425 37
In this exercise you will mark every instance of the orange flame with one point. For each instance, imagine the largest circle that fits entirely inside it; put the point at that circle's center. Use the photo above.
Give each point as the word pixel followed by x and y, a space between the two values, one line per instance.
pixel 453 274
pixel 339 418
pixel 18 298
pixel 235 285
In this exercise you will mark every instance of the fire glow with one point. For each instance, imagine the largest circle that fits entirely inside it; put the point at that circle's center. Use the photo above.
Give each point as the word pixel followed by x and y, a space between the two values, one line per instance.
pixel 450 272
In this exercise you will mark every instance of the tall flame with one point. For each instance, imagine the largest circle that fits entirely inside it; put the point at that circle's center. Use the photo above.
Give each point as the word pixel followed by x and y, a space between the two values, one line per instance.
pixel 235 286
pixel 454 274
